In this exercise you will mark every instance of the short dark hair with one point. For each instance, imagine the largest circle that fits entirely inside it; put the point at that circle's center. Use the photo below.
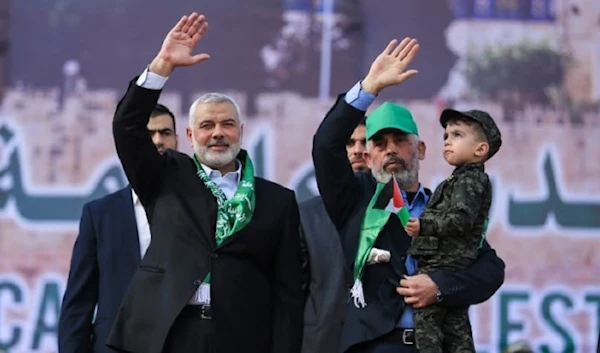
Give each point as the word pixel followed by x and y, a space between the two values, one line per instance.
pixel 363 121
pixel 160 109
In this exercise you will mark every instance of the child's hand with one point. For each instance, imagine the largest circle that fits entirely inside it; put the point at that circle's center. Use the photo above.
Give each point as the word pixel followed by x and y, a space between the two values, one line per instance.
pixel 413 227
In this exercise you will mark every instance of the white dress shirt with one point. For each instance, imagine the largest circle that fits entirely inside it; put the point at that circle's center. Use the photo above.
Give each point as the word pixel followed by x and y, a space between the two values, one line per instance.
pixel 143 227
pixel 228 182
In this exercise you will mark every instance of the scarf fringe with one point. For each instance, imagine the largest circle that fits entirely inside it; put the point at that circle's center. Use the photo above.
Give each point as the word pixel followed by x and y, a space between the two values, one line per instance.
pixel 203 294
pixel 357 294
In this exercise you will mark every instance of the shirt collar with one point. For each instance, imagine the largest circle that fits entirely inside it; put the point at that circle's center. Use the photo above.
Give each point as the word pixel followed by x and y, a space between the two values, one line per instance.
pixel 212 173
pixel 136 199
pixel 469 166
pixel 420 193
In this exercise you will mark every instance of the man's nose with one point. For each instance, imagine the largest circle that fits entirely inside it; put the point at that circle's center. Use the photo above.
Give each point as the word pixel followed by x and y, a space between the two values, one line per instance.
pixel 217 133
pixel 157 139
pixel 391 150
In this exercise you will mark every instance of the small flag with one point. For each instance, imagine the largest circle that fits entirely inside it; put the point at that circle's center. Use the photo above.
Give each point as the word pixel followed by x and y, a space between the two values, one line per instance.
pixel 398 201
pixel 390 199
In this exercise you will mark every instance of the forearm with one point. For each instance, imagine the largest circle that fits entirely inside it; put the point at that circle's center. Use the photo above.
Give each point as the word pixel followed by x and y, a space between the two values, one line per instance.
pixel 473 285
pixel 335 178
pixel 75 334
pixel 141 161
pixel 81 295
pixel 288 313
pixel 453 222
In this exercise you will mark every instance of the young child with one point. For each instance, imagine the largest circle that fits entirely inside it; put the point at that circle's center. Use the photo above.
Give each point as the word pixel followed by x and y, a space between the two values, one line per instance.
pixel 448 233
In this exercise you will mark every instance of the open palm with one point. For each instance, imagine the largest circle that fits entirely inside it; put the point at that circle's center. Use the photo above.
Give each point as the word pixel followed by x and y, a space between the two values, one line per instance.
pixel 180 42
pixel 389 68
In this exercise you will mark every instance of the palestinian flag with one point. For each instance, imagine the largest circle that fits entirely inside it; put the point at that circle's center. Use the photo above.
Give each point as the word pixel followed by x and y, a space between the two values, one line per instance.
pixel 390 199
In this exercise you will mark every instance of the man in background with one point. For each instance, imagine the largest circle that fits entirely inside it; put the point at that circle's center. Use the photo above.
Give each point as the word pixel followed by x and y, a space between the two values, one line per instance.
pixel 327 292
pixel 113 237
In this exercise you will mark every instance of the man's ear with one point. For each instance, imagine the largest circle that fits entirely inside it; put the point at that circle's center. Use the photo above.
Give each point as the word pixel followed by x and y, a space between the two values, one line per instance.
pixel 422 149
pixel 188 133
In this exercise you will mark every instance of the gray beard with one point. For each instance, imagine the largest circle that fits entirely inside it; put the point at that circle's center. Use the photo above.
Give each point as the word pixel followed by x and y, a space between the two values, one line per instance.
pixel 404 178
pixel 216 159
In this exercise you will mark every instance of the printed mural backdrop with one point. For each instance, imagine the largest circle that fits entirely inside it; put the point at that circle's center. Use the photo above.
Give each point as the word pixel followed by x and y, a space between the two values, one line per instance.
pixel 534 64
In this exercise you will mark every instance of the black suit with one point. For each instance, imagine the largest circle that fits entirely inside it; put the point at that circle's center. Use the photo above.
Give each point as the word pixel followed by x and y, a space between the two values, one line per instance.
pixel 328 293
pixel 257 299
pixel 105 256
pixel 346 196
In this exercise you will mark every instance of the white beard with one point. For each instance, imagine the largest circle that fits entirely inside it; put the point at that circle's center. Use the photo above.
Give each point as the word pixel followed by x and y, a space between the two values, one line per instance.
pixel 216 159
pixel 405 178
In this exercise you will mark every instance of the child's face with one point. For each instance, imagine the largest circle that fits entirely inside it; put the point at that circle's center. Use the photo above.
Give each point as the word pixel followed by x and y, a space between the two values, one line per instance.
pixel 461 145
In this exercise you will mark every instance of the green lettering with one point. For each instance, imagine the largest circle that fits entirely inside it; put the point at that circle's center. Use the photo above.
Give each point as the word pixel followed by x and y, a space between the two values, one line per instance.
pixel 595 298
pixel 560 330
pixel 50 305
pixel 17 296
pixel 506 325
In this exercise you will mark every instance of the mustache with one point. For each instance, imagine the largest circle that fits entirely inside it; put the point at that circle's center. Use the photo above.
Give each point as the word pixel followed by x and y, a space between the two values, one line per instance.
pixel 395 159
pixel 222 142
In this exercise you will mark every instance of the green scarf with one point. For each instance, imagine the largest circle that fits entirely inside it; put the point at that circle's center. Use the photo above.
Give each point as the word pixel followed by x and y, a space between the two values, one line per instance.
pixel 376 217
pixel 234 214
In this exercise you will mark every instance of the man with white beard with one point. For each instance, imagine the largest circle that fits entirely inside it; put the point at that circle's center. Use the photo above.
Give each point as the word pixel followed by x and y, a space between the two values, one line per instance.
pixel 223 272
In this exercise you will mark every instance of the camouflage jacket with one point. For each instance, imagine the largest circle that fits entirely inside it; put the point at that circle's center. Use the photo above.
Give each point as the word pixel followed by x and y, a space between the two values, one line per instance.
pixel 452 224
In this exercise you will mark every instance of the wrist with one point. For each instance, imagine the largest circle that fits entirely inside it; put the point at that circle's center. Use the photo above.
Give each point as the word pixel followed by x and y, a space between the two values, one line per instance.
pixel 369 85
pixel 439 296
pixel 161 67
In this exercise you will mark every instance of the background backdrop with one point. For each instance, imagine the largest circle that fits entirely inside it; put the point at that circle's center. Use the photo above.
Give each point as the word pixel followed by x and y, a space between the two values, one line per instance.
pixel 534 64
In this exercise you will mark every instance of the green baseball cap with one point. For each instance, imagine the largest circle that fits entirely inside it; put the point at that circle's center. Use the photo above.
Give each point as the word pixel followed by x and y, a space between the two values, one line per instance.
pixel 391 116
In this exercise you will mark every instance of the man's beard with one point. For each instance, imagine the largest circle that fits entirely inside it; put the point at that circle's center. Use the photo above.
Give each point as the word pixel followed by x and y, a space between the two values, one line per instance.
pixel 406 174
pixel 216 159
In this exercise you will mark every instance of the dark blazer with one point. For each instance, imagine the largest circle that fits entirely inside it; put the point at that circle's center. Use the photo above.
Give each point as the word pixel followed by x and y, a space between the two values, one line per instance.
pixel 329 279
pixel 105 256
pixel 256 283
pixel 346 196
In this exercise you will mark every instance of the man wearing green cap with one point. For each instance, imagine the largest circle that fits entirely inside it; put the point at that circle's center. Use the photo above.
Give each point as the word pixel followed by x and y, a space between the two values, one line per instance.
pixel 379 316
pixel 448 233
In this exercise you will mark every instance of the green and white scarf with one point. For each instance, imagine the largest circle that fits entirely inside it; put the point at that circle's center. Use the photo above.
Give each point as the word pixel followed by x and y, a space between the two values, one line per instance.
pixel 234 214
pixel 386 200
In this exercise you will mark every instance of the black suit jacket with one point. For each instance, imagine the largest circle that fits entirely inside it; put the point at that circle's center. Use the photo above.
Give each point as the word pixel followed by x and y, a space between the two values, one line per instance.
pixel 257 299
pixel 329 279
pixel 105 256
pixel 346 196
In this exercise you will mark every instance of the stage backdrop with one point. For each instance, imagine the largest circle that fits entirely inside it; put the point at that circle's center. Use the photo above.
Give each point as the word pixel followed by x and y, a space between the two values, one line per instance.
pixel 534 64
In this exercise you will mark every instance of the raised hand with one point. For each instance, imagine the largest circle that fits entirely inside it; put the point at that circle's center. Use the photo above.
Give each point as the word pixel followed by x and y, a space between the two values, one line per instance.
pixel 389 68
pixel 179 44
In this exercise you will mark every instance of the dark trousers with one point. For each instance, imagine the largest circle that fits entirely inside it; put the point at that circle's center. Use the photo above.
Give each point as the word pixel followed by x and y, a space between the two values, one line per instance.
pixel 190 333
pixel 390 343
pixel 438 330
